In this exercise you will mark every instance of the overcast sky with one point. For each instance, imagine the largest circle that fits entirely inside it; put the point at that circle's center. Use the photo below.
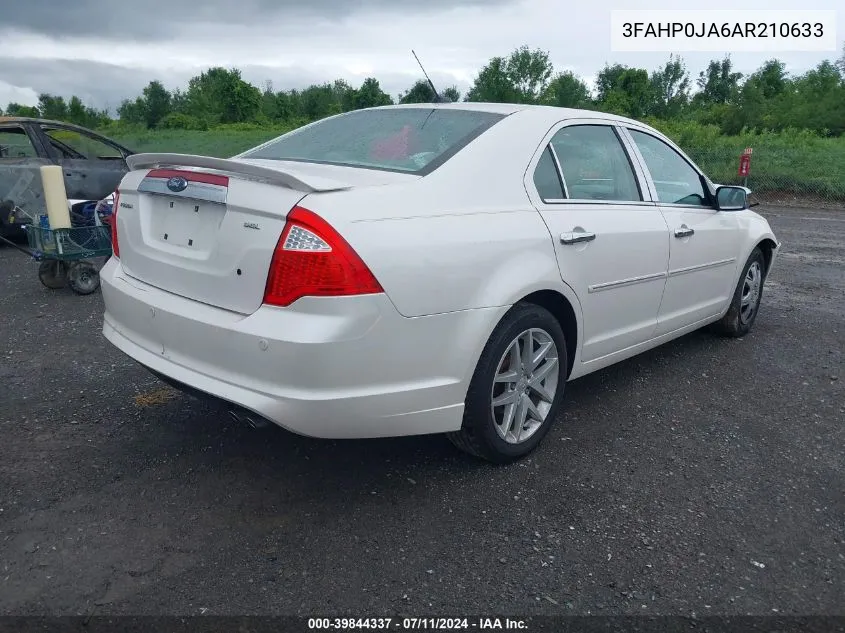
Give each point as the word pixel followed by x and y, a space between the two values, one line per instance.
pixel 107 50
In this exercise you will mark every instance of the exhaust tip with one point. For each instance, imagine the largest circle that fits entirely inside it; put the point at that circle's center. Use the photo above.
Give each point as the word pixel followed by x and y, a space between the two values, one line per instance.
pixel 243 416
pixel 257 423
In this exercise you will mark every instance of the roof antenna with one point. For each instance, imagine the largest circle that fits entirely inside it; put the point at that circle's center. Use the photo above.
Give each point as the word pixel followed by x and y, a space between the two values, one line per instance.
pixel 437 97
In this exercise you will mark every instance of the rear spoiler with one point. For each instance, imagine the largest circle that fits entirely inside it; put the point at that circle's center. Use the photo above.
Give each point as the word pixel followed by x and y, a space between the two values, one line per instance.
pixel 285 177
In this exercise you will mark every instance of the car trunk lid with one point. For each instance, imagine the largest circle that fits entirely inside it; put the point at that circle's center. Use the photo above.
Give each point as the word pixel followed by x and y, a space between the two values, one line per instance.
pixel 206 228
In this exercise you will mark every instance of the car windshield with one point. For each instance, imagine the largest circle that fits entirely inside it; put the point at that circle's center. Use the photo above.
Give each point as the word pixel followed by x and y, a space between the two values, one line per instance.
pixel 412 140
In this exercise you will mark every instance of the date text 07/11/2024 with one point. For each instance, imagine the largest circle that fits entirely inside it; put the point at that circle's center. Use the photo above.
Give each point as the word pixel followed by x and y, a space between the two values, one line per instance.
pixel 417 624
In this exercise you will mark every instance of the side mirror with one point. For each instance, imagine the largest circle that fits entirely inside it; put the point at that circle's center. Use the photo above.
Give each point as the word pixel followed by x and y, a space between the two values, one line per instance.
pixel 731 198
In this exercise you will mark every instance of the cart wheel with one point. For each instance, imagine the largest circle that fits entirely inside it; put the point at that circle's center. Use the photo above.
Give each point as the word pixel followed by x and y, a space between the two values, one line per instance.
pixel 83 278
pixel 53 274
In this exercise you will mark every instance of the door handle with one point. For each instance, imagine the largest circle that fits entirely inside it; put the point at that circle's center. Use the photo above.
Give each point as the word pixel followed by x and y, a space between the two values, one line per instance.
pixel 684 231
pixel 577 238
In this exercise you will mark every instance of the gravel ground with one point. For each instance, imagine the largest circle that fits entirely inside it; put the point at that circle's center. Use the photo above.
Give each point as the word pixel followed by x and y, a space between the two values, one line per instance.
pixel 704 477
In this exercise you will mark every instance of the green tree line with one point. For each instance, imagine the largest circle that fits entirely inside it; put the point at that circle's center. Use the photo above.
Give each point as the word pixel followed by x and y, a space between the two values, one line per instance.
pixel 57 109
pixel 767 99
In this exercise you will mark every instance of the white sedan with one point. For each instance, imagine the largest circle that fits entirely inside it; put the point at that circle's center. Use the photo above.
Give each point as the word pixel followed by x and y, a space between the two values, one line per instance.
pixel 425 268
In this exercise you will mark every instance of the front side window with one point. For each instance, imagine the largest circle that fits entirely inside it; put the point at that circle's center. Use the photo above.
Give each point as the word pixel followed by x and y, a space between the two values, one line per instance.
pixel 14 143
pixel 411 140
pixel 674 178
pixel 595 166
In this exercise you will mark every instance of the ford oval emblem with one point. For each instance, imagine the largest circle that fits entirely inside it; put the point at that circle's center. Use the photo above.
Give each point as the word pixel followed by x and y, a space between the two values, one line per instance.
pixel 177 183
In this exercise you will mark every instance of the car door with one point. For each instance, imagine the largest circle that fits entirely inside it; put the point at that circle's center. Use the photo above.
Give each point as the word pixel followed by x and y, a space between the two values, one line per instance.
pixel 92 166
pixel 20 178
pixel 612 244
pixel 704 241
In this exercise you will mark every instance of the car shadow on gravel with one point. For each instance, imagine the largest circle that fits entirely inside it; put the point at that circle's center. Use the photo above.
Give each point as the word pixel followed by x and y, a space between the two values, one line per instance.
pixel 204 435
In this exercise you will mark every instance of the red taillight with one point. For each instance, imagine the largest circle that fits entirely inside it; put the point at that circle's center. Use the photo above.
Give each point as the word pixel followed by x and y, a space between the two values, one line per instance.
pixel 312 259
pixel 113 222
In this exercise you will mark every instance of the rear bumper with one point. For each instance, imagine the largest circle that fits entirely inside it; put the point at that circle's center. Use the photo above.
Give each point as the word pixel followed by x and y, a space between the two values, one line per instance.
pixel 324 367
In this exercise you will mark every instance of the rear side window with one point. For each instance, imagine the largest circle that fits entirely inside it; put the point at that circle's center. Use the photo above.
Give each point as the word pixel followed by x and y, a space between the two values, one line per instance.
pixel 73 144
pixel 412 140
pixel 547 179
pixel 595 166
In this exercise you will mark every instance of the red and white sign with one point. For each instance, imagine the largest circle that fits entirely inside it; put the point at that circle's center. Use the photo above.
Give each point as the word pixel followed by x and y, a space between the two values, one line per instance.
pixel 745 162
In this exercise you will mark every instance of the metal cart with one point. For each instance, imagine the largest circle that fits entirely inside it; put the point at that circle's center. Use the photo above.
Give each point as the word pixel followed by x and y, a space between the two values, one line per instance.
pixel 69 256
pixel 65 255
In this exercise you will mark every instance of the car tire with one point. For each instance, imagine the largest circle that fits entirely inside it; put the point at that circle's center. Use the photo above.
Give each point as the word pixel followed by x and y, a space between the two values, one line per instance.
pixel 745 303
pixel 83 278
pixel 505 432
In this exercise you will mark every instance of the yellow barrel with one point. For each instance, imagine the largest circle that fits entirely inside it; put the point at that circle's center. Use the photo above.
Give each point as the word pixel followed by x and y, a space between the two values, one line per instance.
pixel 55 196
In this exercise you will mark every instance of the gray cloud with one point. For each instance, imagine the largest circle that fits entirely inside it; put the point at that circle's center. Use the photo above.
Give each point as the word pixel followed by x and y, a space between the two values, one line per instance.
pixel 105 85
pixel 98 84
pixel 160 19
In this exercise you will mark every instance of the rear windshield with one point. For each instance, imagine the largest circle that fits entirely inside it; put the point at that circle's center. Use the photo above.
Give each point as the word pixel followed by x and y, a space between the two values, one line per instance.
pixel 412 140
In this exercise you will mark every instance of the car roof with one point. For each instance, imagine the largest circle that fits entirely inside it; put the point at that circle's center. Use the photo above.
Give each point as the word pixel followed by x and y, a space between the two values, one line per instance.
pixel 541 113
pixel 498 108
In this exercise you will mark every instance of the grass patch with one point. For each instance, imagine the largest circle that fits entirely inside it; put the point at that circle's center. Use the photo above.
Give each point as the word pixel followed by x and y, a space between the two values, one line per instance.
pixel 155 398
pixel 793 161
pixel 220 142
pixel 796 162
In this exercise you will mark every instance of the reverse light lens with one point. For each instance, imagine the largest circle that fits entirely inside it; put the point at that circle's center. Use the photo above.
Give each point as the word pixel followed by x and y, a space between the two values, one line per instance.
pixel 300 239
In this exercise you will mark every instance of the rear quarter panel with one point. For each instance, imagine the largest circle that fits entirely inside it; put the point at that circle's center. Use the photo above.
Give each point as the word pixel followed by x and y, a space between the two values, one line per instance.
pixel 465 236
pixel 430 265
pixel 478 257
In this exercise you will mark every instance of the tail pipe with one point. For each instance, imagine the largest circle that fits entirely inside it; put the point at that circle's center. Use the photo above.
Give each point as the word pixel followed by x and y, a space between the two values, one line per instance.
pixel 241 415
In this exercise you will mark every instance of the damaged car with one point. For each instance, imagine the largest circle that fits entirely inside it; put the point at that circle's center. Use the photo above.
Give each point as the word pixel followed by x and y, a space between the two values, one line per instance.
pixel 93 166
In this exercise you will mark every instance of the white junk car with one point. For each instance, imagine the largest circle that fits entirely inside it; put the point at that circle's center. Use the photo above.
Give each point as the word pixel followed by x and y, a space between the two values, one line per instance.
pixel 425 268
